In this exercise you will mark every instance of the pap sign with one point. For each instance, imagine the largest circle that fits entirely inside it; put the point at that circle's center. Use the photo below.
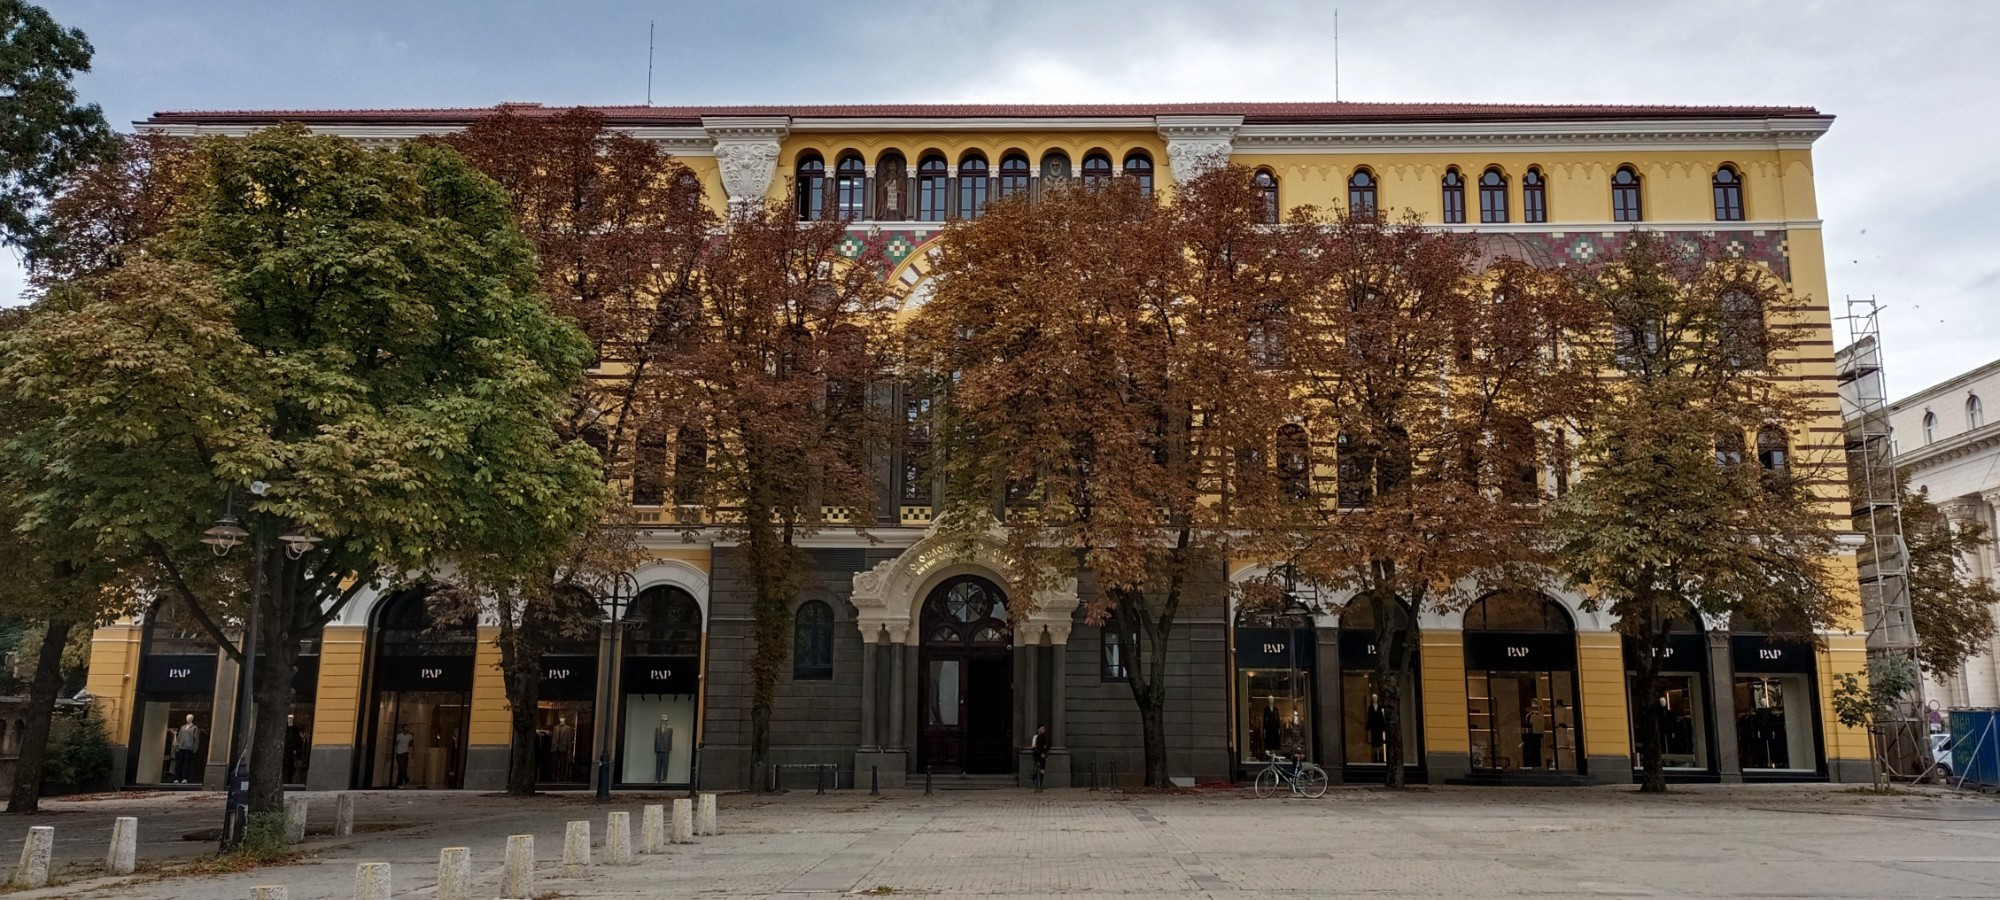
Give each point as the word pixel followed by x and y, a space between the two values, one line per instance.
pixel 1766 653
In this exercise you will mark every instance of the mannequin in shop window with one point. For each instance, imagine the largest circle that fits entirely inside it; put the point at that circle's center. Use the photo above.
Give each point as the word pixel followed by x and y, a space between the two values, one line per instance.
pixel 1531 739
pixel 1273 726
pixel 562 749
pixel 1378 730
pixel 295 742
pixel 186 742
pixel 663 748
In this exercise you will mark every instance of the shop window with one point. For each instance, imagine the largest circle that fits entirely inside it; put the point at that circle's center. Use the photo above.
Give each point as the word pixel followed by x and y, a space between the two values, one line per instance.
pixel 1111 655
pixel 1625 196
pixel 850 187
pixel 891 187
pixel 1728 194
pixel 1013 175
pixel 1096 169
pixel 1534 196
pixel 1975 412
pixel 422 700
pixel 174 699
pixel 1266 185
pixel 1275 661
pixel 810 183
pixel 658 691
pixel 1140 166
pixel 973 186
pixel 1361 194
pixel 1364 725
pixel 1520 651
pixel 812 642
pixel 932 188
pixel 1492 196
pixel 1454 197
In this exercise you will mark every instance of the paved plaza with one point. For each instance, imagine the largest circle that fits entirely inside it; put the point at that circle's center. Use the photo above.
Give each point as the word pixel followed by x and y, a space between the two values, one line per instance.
pixel 1764 841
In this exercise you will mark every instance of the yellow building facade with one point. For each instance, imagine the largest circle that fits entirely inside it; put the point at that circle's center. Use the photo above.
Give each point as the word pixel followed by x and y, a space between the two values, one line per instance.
pixel 906 662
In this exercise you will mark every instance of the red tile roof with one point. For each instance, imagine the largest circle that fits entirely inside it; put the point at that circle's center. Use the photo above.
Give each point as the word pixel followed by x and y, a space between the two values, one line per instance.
pixel 1255 113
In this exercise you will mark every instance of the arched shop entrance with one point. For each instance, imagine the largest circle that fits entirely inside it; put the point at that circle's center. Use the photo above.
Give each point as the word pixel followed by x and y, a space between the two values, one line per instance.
pixel 1520 683
pixel 660 688
pixel 1682 702
pixel 1276 656
pixel 1364 737
pixel 966 685
pixel 421 686
pixel 566 722
pixel 176 690
pixel 1776 693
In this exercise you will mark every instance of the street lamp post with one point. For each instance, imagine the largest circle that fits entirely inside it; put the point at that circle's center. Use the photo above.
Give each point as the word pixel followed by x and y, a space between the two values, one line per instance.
pixel 223 537
pixel 617 597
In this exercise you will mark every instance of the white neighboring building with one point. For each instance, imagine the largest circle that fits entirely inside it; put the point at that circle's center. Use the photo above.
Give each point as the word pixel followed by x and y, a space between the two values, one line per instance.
pixel 1948 446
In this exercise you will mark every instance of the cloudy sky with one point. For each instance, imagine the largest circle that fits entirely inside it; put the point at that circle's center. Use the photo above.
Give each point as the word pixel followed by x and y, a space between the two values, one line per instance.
pixel 1908 184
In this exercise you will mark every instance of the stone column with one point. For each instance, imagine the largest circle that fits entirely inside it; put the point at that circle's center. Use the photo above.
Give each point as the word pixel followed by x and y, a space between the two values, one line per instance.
pixel 871 739
pixel 898 678
pixel 1722 690
pixel 1028 706
pixel 1059 768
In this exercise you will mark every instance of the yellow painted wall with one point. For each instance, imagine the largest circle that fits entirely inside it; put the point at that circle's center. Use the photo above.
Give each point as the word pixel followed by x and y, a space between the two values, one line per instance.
pixel 697 555
pixel 1445 728
pixel 337 710
pixel 1600 675
pixel 1844 655
pixel 490 725
pixel 113 677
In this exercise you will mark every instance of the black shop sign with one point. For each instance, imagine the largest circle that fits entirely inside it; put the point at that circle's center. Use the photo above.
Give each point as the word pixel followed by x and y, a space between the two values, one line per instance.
pixel 1358 648
pixel 1520 651
pixel 178 674
pixel 1275 648
pixel 1765 653
pixel 424 673
pixel 661 674
pixel 1682 652
pixel 569 677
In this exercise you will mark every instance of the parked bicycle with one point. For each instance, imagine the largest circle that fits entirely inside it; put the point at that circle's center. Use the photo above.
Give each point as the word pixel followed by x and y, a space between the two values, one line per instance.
pixel 1305 779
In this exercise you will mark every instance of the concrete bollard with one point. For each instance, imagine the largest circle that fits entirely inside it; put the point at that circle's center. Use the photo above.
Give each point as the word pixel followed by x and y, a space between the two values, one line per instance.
pixel 618 839
pixel 295 819
pixel 455 873
pixel 683 832
pixel 517 879
pixel 268 892
pixel 371 881
pixel 33 872
pixel 653 829
pixel 704 821
pixel 343 815
pixel 124 853
pixel 576 847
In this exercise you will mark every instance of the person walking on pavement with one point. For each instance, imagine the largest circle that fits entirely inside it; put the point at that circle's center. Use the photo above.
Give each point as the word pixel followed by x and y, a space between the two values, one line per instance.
pixel 1039 746
pixel 403 741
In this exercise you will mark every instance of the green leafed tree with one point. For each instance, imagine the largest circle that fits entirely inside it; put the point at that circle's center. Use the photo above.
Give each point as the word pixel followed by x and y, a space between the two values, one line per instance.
pixel 1952 609
pixel 45 134
pixel 345 348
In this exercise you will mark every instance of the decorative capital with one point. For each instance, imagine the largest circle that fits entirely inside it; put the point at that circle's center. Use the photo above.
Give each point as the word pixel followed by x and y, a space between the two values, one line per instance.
pixel 746 150
pixel 1960 510
pixel 1197 144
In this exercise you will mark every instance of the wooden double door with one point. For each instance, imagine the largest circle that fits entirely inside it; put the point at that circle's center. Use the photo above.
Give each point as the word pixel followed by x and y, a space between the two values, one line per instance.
pixel 966 691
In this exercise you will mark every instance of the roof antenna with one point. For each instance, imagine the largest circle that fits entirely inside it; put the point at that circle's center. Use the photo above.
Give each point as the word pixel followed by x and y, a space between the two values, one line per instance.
pixel 1336 54
pixel 649 64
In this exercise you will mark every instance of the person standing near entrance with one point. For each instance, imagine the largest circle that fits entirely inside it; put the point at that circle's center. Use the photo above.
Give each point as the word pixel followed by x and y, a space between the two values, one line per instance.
pixel 1039 747
pixel 403 741
pixel 186 742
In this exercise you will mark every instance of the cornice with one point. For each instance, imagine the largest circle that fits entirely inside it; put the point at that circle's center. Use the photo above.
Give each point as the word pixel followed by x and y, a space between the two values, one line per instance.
pixel 683 140
pixel 746 128
pixel 1181 127
pixel 1958 446
pixel 1632 134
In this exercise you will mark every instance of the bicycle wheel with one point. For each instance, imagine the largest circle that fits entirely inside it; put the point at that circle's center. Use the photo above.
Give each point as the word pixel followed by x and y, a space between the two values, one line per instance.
pixel 1267 783
pixel 1312 782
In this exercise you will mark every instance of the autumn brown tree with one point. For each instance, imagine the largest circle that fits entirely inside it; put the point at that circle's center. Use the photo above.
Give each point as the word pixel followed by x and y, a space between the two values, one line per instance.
pixel 1106 395
pixel 1698 491
pixel 1436 389
pixel 1950 607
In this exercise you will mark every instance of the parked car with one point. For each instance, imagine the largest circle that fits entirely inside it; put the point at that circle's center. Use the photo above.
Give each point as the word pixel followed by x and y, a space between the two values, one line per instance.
pixel 1941 753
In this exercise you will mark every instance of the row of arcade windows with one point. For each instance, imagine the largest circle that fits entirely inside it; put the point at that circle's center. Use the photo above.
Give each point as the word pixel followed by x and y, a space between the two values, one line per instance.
pixel 936 192
pixel 1626 204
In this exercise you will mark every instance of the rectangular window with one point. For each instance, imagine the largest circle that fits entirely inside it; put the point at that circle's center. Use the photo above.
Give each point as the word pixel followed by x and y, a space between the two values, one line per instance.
pixel 1534 203
pixel 852 192
pixel 1493 203
pixel 1454 205
pixel 1114 664
pixel 930 198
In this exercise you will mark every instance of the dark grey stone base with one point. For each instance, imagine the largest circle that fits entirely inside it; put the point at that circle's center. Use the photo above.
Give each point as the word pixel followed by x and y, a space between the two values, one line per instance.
pixel 891 767
pixel 1058 774
pixel 486 768
pixel 1608 769
pixel 119 757
pixel 1850 771
pixel 1444 765
pixel 332 768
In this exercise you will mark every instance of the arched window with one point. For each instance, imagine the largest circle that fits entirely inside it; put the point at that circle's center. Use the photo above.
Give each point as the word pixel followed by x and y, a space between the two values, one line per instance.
pixel 931 188
pixel 972 186
pixel 1492 196
pixel 649 466
pixel 1517 611
pixel 1139 165
pixel 1055 167
pixel 811 185
pixel 1534 196
pixel 1361 193
pixel 1740 333
pixel 1013 175
pixel 1454 197
pixel 1728 195
pixel 1625 196
pixel 690 465
pixel 850 187
pixel 892 191
pixel 1096 169
pixel 1267 195
pixel 1774 451
pixel 1354 470
pixel 1930 427
pixel 812 642
pixel 1975 412
pixel 1729 448
pixel 1294 462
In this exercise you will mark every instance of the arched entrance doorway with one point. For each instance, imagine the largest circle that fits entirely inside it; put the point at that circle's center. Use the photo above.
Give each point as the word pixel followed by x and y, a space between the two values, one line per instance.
pixel 966 681
pixel 1776 698
pixel 1364 735
pixel 660 689
pixel 1680 701
pixel 174 702
pixel 421 698
pixel 1520 683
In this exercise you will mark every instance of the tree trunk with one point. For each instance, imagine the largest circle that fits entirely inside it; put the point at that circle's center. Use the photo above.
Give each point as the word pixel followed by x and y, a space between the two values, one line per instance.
pixel 1651 731
pixel 524 689
pixel 1392 662
pixel 770 570
pixel 34 747
pixel 1142 645
pixel 278 654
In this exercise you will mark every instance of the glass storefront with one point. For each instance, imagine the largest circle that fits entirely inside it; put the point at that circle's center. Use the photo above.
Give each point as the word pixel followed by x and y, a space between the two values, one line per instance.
pixel 659 688
pixel 422 696
pixel 1364 725
pixel 174 701
pixel 566 720
pixel 1775 693
pixel 1520 681
pixel 1681 703
pixel 1274 693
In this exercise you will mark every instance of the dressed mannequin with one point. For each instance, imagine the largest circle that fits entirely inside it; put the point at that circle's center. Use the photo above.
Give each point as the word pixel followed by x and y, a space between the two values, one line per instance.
pixel 1378 730
pixel 186 742
pixel 663 749
pixel 295 742
pixel 562 749
pixel 1272 728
